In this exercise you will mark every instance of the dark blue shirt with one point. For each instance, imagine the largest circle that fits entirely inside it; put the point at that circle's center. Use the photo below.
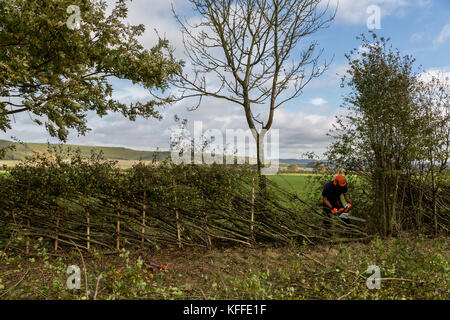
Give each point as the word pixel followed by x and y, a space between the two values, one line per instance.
pixel 333 194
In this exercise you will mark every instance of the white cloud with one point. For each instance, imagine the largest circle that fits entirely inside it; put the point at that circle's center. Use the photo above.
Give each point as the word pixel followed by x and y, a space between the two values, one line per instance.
pixel 156 15
pixel 318 101
pixel 417 36
pixel 126 93
pixel 355 12
pixel 299 131
pixel 443 35
pixel 442 74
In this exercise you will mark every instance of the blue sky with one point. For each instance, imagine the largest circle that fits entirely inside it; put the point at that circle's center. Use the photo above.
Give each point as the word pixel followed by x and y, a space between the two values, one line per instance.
pixel 417 27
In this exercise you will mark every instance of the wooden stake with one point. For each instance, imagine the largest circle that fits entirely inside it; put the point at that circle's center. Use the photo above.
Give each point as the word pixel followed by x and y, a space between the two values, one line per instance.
pixel 27 244
pixel 118 214
pixel 27 249
pixel 252 216
pixel 57 223
pixel 88 231
pixel 143 213
pixel 178 229
pixel 230 204
pixel 177 215
pixel 207 228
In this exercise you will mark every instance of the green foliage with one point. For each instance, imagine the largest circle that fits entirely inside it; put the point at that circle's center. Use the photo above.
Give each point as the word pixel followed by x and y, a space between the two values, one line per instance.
pixel 5 149
pixel 292 168
pixel 395 136
pixel 59 74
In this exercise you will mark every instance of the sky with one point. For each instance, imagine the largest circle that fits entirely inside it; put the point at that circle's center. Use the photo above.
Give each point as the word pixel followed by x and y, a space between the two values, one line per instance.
pixel 420 28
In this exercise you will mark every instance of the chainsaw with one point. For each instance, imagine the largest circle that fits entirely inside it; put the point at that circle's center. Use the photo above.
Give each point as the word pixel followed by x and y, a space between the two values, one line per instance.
pixel 343 213
pixel 154 267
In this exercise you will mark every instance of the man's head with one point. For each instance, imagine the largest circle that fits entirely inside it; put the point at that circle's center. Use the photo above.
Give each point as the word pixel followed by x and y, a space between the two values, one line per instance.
pixel 339 182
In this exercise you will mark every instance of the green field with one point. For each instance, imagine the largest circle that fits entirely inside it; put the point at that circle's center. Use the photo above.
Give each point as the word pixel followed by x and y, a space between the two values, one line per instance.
pixel 295 182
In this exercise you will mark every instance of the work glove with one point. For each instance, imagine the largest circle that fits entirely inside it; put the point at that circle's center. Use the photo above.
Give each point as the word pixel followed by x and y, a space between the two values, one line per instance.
pixel 347 207
pixel 335 211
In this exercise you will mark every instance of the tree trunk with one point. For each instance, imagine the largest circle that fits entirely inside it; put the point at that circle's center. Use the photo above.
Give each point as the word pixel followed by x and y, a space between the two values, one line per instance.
pixel 394 204
pixel 260 159
pixel 144 209
pixel 433 199
pixel 252 214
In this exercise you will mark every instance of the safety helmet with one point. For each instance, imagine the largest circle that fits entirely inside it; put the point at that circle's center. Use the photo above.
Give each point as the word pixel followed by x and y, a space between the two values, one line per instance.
pixel 340 181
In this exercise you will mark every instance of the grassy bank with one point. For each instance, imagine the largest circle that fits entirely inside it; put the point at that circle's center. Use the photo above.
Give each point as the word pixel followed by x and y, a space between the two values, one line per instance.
pixel 411 268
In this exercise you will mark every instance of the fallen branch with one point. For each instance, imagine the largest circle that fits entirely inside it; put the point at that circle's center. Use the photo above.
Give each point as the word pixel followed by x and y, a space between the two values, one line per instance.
pixel 84 268
pixel 311 258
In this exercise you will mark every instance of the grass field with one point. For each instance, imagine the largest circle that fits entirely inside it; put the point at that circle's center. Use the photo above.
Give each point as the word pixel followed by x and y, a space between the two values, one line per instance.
pixel 295 182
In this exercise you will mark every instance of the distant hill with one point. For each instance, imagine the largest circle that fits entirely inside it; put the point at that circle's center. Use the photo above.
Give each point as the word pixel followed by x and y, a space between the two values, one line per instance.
pixel 26 150
pixel 296 160
pixel 302 163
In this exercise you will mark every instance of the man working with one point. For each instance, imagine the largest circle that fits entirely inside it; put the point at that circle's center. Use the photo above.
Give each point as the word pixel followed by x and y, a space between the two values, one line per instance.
pixel 331 196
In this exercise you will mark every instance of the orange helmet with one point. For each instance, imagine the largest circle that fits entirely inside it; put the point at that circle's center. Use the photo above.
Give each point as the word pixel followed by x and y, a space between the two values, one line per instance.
pixel 339 180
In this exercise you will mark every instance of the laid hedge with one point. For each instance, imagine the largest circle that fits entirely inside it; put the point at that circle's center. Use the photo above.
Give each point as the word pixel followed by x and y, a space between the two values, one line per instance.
pixel 87 202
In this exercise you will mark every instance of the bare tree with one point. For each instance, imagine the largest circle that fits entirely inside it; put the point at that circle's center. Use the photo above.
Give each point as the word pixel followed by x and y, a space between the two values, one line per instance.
pixel 247 52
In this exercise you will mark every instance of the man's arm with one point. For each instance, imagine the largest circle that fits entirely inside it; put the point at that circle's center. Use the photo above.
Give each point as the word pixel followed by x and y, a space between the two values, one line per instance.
pixel 347 197
pixel 326 202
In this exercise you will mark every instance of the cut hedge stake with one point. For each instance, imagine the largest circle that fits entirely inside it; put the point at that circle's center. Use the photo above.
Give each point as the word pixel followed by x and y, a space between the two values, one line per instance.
pixel 27 249
pixel 252 215
pixel 207 231
pixel 58 204
pixel 177 215
pixel 88 223
pixel 88 231
pixel 118 212
pixel 143 213
pixel 27 245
